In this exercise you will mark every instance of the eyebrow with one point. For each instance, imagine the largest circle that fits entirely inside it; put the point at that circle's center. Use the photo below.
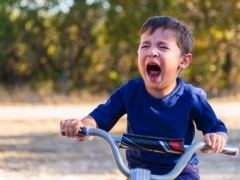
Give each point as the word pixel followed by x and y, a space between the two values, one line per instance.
pixel 148 42
pixel 145 42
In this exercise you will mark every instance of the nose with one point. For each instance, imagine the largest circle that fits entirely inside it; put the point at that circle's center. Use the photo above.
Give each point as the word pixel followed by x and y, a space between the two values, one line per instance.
pixel 152 52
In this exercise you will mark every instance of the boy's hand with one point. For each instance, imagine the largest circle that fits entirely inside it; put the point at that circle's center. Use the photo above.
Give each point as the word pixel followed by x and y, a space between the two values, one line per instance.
pixel 70 128
pixel 216 141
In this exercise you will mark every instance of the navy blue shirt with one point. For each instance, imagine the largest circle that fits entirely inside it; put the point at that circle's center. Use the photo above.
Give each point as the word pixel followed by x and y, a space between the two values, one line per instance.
pixel 174 117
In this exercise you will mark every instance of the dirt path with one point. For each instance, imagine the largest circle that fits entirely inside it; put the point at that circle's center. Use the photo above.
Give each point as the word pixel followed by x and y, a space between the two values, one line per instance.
pixel 31 146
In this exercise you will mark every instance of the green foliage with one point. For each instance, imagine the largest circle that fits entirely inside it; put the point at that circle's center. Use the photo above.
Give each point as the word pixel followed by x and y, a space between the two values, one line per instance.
pixel 62 46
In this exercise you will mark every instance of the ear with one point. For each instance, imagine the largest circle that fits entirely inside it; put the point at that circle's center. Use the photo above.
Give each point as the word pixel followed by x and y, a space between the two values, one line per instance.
pixel 186 60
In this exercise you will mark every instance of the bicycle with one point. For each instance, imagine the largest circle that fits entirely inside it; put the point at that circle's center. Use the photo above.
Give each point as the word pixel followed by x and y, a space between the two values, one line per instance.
pixel 129 141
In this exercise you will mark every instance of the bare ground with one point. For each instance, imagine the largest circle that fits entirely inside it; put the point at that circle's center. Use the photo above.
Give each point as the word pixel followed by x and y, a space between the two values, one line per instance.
pixel 31 146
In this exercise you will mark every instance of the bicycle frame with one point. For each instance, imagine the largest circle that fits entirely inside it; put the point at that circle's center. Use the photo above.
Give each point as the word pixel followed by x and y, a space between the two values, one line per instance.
pixel 143 174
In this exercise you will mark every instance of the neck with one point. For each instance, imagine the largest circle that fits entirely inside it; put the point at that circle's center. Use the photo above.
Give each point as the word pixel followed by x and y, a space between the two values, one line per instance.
pixel 162 93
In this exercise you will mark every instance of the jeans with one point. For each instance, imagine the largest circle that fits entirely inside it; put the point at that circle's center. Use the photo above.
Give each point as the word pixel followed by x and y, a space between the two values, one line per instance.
pixel 190 172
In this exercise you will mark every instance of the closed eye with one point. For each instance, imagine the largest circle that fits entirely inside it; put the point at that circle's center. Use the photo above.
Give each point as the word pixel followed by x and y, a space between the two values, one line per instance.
pixel 144 46
pixel 163 47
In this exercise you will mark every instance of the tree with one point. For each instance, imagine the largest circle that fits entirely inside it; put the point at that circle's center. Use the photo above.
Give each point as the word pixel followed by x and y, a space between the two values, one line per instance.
pixel 92 45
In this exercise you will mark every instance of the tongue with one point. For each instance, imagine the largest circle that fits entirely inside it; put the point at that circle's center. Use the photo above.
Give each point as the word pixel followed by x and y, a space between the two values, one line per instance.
pixel 153 73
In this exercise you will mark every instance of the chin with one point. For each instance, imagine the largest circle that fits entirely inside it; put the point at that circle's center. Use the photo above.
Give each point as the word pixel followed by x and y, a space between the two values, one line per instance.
pixel 153 85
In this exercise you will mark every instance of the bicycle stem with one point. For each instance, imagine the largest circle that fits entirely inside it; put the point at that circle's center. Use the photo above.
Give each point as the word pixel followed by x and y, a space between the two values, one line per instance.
pixel 114 149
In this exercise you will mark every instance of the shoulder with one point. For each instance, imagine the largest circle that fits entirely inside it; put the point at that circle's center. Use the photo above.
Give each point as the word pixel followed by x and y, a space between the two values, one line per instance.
pixel 133 84
pixel 192 92
pixel 196 98
pixel 131 88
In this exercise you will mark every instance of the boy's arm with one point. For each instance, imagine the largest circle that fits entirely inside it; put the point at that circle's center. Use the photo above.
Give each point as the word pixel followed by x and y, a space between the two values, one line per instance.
pixel 71 126
pixel 216 140
pixel 89 120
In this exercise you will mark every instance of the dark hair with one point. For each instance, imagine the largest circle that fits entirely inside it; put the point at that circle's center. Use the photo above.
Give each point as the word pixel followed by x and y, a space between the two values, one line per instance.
pixel 184 36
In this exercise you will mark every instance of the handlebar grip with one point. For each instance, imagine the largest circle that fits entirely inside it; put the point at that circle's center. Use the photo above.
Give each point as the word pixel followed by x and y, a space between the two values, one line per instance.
pixel 228 150
pixel 81 133
pixel 84 131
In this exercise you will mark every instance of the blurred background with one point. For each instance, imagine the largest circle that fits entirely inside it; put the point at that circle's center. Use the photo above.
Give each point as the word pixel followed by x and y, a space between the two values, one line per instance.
pixel 80 46
pixel 60 58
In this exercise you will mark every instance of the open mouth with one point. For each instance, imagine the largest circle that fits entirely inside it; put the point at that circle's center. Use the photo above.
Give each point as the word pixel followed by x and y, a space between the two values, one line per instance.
pixel 153 70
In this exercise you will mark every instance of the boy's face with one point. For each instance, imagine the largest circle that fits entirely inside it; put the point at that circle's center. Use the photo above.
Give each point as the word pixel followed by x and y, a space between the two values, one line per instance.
pixel 160 61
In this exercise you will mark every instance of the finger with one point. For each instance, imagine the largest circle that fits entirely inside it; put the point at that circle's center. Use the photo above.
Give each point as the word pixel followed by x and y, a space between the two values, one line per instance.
pixel 71 125
pixel 77 127
pixel 220 144
pixel 208 151
pixel 79 139
pixel 62 127
pixel 217 146
pixel 207 139
pixel 66 128
pixel 213 139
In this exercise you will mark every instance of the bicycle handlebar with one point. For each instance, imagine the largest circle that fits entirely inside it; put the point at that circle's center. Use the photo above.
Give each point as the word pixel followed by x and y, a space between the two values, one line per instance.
pixel 187 154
